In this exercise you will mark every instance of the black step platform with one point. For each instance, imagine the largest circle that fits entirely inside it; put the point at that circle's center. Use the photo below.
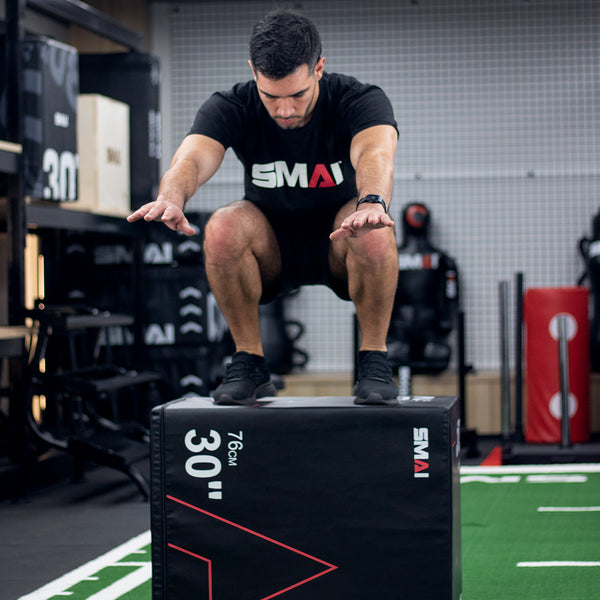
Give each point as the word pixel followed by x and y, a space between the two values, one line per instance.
pixel 84 395
pixel 111 449
pixel 97 380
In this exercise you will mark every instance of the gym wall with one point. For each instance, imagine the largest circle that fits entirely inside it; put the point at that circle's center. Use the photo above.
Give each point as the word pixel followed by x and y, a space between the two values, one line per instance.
pixel 497 105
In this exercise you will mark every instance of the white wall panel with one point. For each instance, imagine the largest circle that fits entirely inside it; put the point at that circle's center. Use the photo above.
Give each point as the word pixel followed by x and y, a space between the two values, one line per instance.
pixel 498 104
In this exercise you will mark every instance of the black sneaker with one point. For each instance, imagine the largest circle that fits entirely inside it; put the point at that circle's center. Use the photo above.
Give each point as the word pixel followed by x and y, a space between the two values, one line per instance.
pixel 247 378
pixel 375 382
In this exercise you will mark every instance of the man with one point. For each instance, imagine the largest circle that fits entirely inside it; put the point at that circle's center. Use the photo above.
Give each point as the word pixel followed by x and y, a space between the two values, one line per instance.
pixel 317 150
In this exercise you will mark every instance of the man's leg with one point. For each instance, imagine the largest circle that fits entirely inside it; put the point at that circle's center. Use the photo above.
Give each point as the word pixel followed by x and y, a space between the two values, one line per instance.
pixel 370 266
pixel 242 256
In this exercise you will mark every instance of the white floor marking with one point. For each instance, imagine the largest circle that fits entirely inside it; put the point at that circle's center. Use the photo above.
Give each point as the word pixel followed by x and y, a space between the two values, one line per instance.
pixel 557 478
pixel 569 509
pixel 560 563
pixel 490 479
pixel 125 584
pixel 526 469
pixel 58 586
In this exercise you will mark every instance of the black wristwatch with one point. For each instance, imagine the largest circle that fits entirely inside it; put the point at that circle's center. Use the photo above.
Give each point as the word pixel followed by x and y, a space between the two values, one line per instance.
pixel 372 199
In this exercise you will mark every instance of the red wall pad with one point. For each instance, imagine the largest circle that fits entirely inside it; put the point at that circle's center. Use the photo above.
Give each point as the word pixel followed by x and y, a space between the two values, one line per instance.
pixel 306 499
pixel 542 307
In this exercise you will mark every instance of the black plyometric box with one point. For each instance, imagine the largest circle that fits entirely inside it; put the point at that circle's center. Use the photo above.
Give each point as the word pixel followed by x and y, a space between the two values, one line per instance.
pixel 167 247
pixel 50 89
pixel 180 304
pixel 133 78
pixel 306 499
pixel 190 370
pixel 163 247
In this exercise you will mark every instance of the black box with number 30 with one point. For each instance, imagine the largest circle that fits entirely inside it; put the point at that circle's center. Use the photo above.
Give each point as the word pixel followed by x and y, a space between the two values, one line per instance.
pixel 50 90
pixel 306 499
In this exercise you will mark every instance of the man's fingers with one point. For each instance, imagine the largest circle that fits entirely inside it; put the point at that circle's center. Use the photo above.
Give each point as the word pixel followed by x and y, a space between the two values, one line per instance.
pixel 357 225
pixel 340 234
pixel 148 212
pixel 174 218
pixel 378 220
pixel 185 227
pixel 156 213
pixel 138 214
pixel 169 214
pixel 373 219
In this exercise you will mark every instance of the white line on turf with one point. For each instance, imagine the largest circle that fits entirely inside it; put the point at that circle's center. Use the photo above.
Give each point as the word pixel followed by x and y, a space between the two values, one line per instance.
pixel 125 584
pixel 111 557
pixel 533 478
pixel 526 469
pixel 569 509
pixel 560 563
pixel 490 479
pixel 557 478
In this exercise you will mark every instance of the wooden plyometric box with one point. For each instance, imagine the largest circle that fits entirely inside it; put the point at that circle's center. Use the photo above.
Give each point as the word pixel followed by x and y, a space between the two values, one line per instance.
pixel 103 148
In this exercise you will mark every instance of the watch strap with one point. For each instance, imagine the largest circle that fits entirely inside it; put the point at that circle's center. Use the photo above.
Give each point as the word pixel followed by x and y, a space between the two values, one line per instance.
pixel 372 199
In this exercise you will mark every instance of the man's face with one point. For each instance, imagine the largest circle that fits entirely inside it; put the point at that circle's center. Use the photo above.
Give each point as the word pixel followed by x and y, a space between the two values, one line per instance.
pixel 291 100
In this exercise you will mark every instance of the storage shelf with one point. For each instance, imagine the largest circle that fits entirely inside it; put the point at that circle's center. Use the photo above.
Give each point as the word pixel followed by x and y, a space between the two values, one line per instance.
pixel 53 217
pixel 79 13
pixel 9 157
pixel 51 222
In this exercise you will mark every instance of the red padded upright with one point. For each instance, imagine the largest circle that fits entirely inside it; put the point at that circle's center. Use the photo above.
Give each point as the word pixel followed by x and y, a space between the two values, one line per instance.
pixel 542 307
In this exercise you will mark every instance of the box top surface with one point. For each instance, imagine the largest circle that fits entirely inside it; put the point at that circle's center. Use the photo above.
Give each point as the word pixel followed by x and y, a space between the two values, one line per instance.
pixel 299 402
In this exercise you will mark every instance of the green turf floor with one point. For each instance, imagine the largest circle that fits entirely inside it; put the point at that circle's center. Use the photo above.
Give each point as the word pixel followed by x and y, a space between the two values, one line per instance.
pixel 504 529
pixel 526 535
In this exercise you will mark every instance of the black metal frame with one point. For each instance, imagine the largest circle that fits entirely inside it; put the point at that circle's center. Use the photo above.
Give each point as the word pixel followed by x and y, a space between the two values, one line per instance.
pixel 82 14
pixel 515 450
pixel 19 217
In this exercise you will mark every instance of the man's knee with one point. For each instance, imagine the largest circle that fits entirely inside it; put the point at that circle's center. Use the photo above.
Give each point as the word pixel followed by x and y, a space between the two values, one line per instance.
pixel 224 235
pixel 377 247
pixel 236 229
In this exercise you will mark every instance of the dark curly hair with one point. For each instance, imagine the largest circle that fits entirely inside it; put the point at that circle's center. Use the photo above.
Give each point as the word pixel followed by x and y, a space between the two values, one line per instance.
pixel 282 41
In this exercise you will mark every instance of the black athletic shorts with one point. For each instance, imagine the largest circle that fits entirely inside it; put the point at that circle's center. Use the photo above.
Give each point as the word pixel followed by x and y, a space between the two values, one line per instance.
pixel 304 259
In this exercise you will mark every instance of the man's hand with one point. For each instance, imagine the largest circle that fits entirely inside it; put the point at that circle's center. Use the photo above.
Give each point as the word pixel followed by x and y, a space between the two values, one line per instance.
pixel 167 212
pixel 361 222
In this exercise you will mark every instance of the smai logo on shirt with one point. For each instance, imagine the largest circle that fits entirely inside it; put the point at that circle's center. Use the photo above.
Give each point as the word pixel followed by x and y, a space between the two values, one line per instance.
pixel 277 174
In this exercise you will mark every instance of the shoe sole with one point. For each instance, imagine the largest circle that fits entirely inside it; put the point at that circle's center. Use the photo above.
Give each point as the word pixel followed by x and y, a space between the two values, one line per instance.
pixel 262 391
pixel 376 400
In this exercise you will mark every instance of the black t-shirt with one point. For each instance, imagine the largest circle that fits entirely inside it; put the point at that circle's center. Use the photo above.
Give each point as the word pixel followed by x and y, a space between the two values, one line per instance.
pixel 292 172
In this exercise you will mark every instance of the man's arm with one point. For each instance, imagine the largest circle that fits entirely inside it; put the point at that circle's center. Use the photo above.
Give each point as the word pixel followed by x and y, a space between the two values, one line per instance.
pixel 372 154
pixel 194 163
